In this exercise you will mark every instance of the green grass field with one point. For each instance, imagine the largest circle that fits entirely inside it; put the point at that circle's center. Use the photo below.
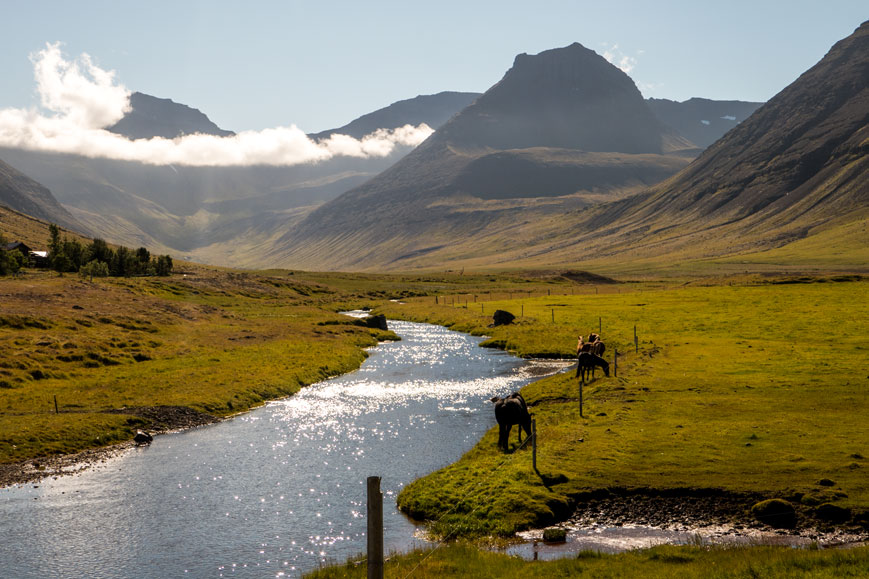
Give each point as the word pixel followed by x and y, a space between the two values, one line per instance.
pixel 220 346
pixel 216 340
pixel 747 389
pixel 464 560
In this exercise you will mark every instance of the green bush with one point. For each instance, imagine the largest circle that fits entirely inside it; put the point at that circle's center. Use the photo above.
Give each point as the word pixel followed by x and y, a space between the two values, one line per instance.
pixel 776 513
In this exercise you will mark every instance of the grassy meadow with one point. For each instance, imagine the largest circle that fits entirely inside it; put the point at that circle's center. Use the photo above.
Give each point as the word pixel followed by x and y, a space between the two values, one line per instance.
pixel 464 560
pixel 755 389
pixel 217 342
pixel 214 340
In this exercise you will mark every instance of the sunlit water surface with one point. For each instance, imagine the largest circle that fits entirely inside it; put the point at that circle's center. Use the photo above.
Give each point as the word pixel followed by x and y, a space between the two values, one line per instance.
pixel 274 492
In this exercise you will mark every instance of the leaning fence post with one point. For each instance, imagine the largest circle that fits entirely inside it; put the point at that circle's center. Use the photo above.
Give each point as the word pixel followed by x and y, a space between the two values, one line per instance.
pixel 581 382
pixel 616 363
pixel 56 411
pixel 534 443
pixel 375 529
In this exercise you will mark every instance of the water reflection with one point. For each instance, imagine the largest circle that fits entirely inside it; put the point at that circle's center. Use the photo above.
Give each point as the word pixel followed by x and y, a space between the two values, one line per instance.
pixel 277 491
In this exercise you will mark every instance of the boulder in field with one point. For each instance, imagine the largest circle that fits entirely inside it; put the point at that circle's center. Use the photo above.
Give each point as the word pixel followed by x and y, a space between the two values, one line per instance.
pixel 776 513
pixel 378 321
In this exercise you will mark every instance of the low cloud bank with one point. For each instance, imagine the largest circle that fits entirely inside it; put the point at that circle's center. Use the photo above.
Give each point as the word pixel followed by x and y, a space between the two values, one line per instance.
pixel 82 99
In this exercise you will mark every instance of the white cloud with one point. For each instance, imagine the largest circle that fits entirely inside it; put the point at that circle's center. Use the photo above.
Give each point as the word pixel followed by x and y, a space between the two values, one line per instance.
pixel 616 57
pixel 82 99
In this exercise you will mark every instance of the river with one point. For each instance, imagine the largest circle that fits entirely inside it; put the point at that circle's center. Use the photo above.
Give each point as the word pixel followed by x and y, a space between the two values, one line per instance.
pixel 274 492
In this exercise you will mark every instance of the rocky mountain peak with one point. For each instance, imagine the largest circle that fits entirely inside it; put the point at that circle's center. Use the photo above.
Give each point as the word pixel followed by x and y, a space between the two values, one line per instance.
pixel 155 117
pixel 567 97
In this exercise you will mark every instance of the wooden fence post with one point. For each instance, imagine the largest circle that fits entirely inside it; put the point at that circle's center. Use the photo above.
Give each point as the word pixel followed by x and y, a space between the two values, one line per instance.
pixel 616 363
pixel 56 411
pixel 599 325
pixel 636 343
pixel 534 443
pixel 581 383
pixel 375 529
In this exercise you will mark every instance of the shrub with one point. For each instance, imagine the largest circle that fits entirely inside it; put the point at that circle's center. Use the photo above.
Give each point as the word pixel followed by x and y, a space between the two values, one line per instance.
pixel 833 513
pixel 776 513
pixel 94 269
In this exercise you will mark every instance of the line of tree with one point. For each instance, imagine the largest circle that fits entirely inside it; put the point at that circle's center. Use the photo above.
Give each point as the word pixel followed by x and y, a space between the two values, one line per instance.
pixel 10 261
pixel 100 260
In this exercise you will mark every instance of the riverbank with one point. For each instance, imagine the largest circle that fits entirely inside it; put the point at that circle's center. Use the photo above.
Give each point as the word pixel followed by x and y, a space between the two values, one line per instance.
pixel 161 419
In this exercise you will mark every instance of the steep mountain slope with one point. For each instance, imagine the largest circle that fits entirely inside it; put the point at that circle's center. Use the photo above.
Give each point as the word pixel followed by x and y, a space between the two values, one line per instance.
pixel 564 125
pixel 702 121
pixel 22 194
pixel 155 117
pixel 799 162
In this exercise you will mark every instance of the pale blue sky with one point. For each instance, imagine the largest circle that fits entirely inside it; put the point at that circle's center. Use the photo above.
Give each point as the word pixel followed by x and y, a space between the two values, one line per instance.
pixel 319 63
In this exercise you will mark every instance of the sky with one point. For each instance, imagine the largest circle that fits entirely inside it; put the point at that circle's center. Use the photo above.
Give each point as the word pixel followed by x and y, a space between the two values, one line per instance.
pixel 311 65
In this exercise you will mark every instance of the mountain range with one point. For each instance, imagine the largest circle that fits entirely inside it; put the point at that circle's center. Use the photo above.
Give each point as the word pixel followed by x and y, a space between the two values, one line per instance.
pixel 794 170
pixel 233 215
pixel 563 130
pixel 560 162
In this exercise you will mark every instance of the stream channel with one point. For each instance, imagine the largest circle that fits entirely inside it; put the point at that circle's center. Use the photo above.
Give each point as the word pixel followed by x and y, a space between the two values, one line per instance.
pixel 279 490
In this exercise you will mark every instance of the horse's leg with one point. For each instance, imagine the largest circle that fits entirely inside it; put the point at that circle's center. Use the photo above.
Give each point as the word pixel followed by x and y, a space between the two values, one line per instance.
pixel 502 436
pixel 519 433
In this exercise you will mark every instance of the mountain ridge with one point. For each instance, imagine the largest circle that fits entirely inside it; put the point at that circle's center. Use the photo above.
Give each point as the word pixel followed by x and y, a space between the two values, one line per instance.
pixel 151 116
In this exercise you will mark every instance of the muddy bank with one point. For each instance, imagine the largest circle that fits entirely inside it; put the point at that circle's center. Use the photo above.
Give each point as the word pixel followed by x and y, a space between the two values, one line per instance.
pixel 635 520
pixel 711 516
pixel 694 508
pixel 162 419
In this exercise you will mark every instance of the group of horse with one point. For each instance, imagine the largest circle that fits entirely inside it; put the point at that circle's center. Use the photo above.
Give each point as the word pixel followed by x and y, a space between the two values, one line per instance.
pixel 589 355
pixel 513 409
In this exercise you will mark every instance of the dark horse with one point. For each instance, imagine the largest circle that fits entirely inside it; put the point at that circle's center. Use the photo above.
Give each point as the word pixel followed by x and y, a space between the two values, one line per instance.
pixel 597 347
pixel 509 411
pixel 586 362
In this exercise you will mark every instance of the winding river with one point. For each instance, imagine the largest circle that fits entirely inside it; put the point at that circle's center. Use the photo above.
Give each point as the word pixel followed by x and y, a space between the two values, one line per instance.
pixel 274 492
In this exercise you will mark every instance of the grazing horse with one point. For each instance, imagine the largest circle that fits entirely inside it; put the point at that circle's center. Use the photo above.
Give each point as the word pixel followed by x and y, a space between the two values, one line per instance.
pixel 586 362
pixel 509 411
pixel 595 347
